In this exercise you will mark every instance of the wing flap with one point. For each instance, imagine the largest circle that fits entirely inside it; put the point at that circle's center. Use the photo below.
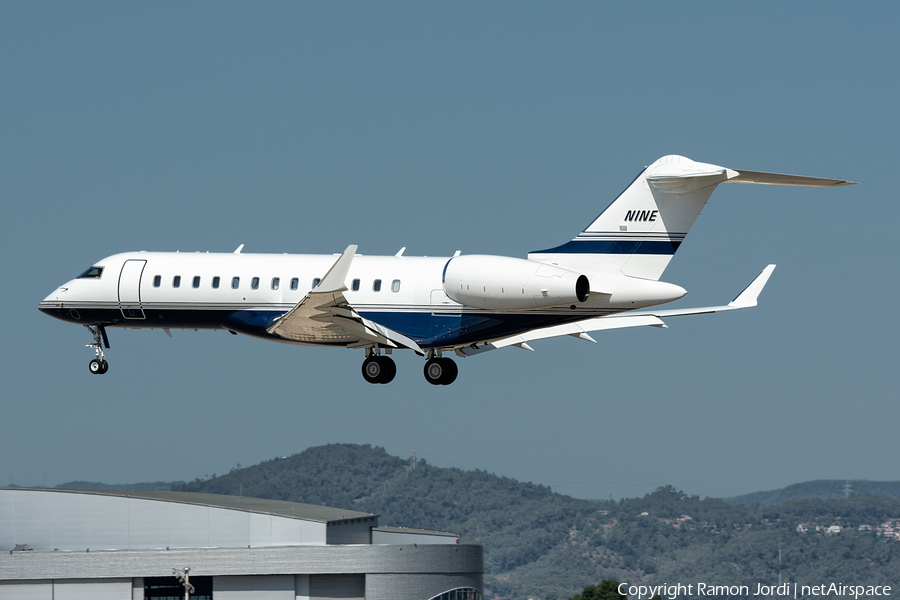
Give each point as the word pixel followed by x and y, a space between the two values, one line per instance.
pixel 325 316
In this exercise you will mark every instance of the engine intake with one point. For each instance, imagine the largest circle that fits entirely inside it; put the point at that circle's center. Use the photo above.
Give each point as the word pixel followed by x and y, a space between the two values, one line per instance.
pixel 505 283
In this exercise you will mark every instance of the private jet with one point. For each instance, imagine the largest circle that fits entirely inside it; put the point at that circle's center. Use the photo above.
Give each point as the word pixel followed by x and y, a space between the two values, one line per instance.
pixel 607 277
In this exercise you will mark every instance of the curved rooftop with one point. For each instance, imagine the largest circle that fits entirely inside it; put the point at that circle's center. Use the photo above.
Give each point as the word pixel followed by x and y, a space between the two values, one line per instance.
pixel 58 519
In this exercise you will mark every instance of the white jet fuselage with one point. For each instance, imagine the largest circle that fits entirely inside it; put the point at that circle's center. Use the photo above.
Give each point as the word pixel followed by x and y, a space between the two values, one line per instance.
pixel 248 293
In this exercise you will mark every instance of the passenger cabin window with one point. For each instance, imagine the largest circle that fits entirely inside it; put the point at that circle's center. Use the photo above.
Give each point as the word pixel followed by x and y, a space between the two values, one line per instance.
pixel 196 283
pixel 276 281
pixel 376 286
pixel 316 282
pixel 235 283
pixel 356 285
pixel 157 280
pixel 176 281
pixel 295 283
pixel 92 273
pixel 395 285
pixel 254 283
pixel 215 282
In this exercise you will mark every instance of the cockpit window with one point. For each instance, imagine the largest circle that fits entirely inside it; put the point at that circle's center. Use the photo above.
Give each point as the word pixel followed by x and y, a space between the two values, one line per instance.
pixel 92 273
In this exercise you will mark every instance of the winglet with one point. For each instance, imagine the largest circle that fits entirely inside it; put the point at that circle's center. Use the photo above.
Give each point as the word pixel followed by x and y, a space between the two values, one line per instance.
pixel 239 248
pixel 748 297
pixel 335 279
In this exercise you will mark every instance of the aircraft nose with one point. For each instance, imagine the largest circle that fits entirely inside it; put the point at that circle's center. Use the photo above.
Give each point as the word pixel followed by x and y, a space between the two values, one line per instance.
pixel 53 304
pixel 56 295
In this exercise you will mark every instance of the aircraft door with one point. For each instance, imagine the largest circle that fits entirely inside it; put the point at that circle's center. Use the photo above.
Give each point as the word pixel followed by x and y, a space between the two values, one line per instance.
pixel 130 289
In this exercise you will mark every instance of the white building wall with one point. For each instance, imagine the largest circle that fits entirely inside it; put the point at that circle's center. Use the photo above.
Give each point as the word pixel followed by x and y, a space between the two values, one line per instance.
pixel 72 589
pixel 74 521
pixel 30 590
pixel 250 587
pixel 92 589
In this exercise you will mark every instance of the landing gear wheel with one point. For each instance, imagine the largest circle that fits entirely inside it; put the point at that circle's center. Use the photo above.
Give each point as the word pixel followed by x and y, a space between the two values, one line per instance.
pixel 98 366
pixel 390 369
pixel 450 371
pixel 372 369
pixel 379 369
pixel 434 371
pixel 440 371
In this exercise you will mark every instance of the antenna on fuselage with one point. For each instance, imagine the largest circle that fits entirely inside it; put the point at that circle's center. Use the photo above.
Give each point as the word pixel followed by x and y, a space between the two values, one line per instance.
pixel 239 248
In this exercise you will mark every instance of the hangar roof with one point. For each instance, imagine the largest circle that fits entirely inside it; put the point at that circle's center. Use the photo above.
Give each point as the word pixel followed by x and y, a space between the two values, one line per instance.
pixel 279 508
pixel 413 530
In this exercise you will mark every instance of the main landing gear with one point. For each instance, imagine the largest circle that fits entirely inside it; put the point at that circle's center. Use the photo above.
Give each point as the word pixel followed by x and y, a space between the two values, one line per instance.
pixel 379 369
pixel 98 365
pixel 439 370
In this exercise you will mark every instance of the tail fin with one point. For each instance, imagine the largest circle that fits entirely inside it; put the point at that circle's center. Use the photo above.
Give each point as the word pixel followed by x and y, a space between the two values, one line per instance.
pixel 640 231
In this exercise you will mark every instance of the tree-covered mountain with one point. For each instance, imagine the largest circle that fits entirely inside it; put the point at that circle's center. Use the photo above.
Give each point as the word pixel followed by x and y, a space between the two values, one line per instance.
pixel 824 489
pixel 96 485
pixel 542 544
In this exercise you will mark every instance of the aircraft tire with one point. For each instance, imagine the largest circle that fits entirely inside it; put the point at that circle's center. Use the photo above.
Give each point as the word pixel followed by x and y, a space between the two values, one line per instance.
pixel 373 369
pixel 450 371
pixel 389 369
pixel 105 366
pixel 96 367
pixel 435 370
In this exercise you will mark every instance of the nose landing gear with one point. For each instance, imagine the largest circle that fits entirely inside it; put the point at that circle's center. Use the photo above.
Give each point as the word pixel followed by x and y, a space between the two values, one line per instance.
pixel 98 366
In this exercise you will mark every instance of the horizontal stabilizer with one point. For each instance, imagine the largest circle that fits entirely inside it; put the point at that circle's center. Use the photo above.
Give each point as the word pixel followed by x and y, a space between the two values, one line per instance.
pixel 782 179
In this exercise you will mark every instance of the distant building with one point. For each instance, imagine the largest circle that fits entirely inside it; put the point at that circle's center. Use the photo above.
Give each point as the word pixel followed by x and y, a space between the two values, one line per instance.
pixel 118 545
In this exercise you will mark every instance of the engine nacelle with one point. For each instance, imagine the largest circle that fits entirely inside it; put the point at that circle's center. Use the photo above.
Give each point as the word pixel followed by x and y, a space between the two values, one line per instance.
pixel 505 283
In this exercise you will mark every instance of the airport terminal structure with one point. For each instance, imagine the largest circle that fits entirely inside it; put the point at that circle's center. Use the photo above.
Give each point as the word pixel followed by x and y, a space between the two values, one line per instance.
pixel 125 545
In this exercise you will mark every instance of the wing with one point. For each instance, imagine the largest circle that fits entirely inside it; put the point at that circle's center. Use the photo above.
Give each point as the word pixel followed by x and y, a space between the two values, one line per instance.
pixel 325 317
pixel 579 329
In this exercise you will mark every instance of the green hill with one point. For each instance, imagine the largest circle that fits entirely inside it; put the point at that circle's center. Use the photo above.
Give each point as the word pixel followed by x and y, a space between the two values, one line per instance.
pixel 96 485
pixel 824 489
pixel 542 544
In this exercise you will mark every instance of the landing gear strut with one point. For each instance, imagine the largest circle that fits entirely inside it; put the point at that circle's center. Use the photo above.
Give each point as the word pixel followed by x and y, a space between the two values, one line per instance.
pixel 379 369
pixel 440 371
pixel 98 365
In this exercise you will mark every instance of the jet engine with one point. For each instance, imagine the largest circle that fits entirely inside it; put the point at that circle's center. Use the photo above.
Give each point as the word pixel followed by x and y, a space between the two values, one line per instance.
pixel 504 283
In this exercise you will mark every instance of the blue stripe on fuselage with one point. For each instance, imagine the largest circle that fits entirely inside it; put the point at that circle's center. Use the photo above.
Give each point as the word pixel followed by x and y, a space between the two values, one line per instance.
pixel 613 247
pixel 427 328
pixel 443 329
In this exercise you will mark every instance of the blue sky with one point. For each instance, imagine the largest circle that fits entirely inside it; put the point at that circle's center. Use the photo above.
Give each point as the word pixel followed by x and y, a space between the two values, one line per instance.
pixel 492 128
